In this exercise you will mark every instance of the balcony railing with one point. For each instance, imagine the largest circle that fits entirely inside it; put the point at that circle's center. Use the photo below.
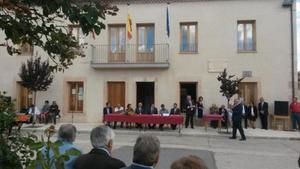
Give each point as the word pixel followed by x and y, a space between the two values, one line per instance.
pixel 130 56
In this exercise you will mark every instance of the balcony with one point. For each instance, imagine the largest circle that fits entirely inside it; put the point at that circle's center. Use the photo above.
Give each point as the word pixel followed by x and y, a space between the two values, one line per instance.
pixel 130 56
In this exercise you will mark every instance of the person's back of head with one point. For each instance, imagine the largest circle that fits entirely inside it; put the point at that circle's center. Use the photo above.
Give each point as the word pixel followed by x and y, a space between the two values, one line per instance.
pixel 102 137
pixel 67 132
pixel 146 150
pixel 189 162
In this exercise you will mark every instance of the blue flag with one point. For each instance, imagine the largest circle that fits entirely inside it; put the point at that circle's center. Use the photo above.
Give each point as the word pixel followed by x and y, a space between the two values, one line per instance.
pixel 168 23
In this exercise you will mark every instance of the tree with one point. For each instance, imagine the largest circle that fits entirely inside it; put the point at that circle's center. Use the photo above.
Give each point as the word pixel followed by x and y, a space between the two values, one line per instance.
pixel 44 23
pixel 36 75
pixel 229 87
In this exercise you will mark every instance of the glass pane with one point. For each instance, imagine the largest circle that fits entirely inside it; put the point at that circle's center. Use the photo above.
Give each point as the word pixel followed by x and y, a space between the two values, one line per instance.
pixel 150 38
pixel 113 40
pixel 192 39
pixel 184 30
pixel 122 39
pixel 141 40
pixel 80 97
pixel 241 36
pixel 249 30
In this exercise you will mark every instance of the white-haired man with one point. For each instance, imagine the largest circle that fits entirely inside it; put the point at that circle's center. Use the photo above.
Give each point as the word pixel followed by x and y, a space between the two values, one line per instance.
pixel 100 156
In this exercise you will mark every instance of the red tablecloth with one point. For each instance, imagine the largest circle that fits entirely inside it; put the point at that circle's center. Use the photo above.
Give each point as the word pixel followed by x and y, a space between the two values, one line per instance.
pixel 145 119
pixel 211 117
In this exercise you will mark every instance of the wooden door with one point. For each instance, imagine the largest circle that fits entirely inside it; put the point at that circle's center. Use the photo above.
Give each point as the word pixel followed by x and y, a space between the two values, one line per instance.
pixel 25 98
pixel 116 93
pixel 248 91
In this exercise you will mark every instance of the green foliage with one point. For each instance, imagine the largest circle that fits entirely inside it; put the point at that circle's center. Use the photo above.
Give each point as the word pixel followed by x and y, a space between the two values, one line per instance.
pixel 36 75
pixel 43 23
pixel 229 85
pixel 14 149
pixel 48 154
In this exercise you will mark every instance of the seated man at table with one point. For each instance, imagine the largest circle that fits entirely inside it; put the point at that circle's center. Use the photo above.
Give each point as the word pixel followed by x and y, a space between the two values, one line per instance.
pixel 223 112
pixel 163 112
pixel 174 111
pixel 119 110
pixel 139 110
pixel 107 110
pixel 153 110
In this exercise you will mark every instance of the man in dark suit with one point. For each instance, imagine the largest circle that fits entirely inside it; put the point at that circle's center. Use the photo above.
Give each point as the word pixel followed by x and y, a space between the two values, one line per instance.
pixel 174 111
pixel 153 110
pixel 107 110
pixel 245 112
pixel 145 152
pixel 100 155
pixel 190 111
pixel 139 110
pixel 237 120
pixel 263 110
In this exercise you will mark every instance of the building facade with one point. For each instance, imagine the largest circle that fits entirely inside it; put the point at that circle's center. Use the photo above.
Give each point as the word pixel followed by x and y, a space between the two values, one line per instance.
pixel 251 39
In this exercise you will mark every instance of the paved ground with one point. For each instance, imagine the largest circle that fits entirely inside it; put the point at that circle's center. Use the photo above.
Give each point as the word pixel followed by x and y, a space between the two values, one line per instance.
pixel 262 150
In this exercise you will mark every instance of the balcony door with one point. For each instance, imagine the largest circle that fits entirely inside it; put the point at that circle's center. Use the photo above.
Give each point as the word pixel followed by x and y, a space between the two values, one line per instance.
pixel 145 40
pixel 117 43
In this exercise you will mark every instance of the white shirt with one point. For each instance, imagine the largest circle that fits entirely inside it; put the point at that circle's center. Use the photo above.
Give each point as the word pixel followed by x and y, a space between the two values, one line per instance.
pixel 244 110
pixel 252 111
pixel 119 110
pixel 36 111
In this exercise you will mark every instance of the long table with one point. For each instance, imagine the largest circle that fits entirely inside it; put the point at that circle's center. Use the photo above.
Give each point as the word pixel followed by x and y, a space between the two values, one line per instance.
pixel 146 119
pixel 213 117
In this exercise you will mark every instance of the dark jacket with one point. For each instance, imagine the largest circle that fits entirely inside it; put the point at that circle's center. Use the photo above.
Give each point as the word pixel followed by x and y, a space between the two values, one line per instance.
pixel 154 111
pixel 107 112
pixel 133 166
pixel 175 112
pixel 98 159
pixel 190 109
pixel 264 107
pixel 138 111
pixel 254 111
pixel 237 113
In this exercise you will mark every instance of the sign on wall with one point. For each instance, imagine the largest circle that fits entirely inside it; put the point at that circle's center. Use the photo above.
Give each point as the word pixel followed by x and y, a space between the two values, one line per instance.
pixel 217 66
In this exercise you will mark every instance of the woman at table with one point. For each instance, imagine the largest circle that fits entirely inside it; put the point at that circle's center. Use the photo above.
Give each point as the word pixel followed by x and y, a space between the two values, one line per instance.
pixel 200 106
pixel 129 111
pixel 252 114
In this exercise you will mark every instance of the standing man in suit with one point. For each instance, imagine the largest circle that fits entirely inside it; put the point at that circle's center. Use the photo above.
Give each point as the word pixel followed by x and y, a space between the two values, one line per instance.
pixel 245 112
pixel 237 120
pixel 174 111
pixel 263 110
pixel 107 110
pixel 145 152
pixel 190 111
pixel 100 156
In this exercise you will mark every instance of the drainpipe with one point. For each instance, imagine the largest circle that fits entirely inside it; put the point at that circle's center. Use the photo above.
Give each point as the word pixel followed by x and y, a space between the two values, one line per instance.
pixel 289 4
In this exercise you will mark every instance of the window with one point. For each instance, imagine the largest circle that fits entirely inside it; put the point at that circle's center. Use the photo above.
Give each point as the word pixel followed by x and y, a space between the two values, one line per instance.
pixel 145 38
pixel 117 35
pixel 246 36
pixel 76 95
pixel 26 49
pixel 188 38
pixel 77 33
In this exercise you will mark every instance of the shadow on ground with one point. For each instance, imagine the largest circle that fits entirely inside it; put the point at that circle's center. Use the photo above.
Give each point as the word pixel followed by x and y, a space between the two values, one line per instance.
pixel 167 156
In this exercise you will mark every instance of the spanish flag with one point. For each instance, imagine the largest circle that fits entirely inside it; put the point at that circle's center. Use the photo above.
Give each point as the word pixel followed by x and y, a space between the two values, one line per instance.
pixel 129 27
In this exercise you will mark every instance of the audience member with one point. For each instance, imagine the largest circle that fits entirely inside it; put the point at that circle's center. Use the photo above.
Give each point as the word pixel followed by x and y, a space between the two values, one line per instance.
pixel 66 134
pixel 45 112
pixel 295 113
pixel 174 111
pixel 145 153
pixel 53 112
pixel 100 156
pixel 252 114
pixel 263 110
pixel 189 162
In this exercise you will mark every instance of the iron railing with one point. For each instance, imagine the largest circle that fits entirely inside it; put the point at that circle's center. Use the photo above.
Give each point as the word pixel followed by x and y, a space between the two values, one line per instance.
pixel 130 54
